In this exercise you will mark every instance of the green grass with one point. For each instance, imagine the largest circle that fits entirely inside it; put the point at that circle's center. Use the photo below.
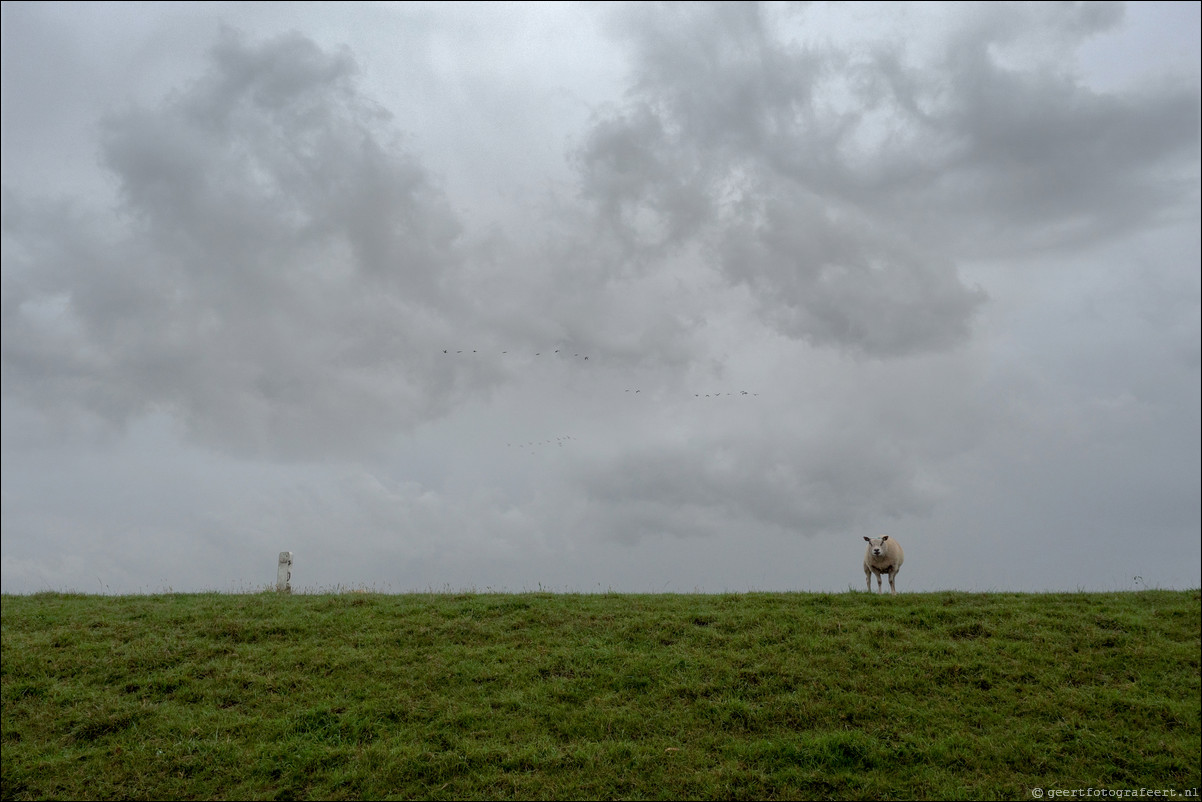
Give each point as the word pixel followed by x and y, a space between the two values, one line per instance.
pixel 552 696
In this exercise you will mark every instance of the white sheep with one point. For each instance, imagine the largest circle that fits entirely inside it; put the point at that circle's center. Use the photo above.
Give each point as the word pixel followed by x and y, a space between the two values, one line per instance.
pixel 883 556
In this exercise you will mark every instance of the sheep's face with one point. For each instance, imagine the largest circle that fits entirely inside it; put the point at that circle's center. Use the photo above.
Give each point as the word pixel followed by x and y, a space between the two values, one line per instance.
pixel 876 545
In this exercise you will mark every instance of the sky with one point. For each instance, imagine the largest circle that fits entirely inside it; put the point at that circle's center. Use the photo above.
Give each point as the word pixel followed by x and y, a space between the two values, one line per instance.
pixel 600 297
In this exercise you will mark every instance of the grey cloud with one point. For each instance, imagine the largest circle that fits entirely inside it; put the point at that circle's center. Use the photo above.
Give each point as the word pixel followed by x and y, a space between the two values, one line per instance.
pixel 831 446
pixel 1054 162
pixel 729 114
pixel 997 146
pixel 785 201
pixel 273 149
pixel 874 448
pixel 845 186
pixel 649 195
pixel 281 277
pixel 814 487
pixel 835 280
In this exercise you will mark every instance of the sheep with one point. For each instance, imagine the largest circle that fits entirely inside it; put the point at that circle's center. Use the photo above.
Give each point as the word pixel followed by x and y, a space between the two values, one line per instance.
pixel 883 556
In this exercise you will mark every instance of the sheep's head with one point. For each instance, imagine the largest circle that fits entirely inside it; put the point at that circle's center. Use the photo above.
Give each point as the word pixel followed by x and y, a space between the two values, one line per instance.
pixel 876 545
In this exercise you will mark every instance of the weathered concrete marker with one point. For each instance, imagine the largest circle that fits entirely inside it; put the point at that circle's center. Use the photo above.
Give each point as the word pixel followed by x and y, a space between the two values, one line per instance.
pixel 283 576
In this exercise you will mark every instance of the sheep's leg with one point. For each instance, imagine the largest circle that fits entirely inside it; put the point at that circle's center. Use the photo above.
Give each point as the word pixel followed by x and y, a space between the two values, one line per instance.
pixel 892 576
pixel 868 578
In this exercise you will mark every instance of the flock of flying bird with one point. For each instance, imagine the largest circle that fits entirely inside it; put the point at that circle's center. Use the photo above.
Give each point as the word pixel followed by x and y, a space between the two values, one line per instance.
pixel 534 445
pixel 449 352
pixel 538 353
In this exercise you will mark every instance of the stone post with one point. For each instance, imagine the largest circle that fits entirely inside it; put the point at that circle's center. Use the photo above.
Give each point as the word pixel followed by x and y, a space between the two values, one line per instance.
pixel 283 576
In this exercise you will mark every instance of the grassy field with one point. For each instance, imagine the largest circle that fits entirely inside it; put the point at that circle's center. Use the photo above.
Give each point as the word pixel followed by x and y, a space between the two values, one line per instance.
pixel 556 696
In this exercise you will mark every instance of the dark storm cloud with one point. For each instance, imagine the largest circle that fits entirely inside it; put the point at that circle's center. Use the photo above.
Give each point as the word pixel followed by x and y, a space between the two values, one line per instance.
pixel 282 275
pixel 843 186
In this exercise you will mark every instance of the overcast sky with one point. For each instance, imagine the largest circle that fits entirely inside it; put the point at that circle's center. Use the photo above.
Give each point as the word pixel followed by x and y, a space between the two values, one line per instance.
pixel 600 297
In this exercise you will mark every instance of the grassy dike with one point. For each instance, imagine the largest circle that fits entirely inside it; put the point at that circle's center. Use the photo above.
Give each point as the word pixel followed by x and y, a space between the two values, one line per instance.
pixel 557 696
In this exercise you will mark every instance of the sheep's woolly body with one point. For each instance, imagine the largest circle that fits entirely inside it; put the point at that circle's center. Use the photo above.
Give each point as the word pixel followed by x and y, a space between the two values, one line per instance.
pixel 883 556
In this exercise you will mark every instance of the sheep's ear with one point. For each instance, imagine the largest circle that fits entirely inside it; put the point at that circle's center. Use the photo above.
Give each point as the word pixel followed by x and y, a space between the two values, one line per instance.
pixel 884 537
pixel 866 538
